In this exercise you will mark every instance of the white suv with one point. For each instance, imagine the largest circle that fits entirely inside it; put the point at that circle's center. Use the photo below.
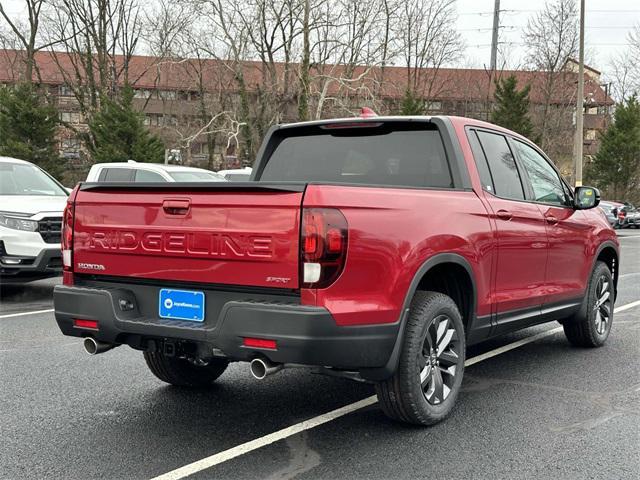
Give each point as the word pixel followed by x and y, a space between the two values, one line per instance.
pixel 31 206
pixel 132 171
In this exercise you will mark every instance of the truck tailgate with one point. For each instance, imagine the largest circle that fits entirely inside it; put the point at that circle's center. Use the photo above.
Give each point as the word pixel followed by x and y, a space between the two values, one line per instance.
pixel 241 234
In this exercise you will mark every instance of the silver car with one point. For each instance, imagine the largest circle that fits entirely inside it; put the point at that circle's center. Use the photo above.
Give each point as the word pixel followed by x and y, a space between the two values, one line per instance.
pixel 610 211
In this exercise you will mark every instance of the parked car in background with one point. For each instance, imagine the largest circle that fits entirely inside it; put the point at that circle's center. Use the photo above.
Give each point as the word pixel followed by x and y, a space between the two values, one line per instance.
pixel 31 206
pixel 237 175
pixel 610 210
pixel 631 218
pixel 132 171
pixel 376 249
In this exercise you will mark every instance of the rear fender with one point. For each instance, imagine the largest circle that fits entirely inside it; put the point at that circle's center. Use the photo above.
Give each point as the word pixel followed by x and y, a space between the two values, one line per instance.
pixel 382 373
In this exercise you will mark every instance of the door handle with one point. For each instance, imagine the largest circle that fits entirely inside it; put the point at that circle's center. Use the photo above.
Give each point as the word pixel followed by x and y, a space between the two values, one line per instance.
pixel 504 214
pixel 551 219
pixel 176 207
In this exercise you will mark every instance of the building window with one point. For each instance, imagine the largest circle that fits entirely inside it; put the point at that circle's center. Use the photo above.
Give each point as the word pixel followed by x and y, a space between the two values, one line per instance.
pixel 65 91
pixel 70 148
pixel 71 117
pixel 432 106
pixel 170 120
pixel 141 93
pixel 159 120
pixel 70 144
pixel 153 119
pixel 590 134
pixel 199 149
pixel 167 94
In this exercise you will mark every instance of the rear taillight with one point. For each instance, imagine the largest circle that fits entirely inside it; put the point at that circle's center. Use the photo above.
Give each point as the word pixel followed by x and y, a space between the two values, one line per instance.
pixel 67 244
pixel 323 246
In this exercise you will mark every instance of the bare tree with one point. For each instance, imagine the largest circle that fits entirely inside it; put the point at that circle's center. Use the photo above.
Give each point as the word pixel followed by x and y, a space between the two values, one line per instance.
pixel 179 42
pixel 11 54
pixel 624 71
pixel 427 40
pixel 305 64
pixel 274 30
pixel 27 36
pixel 552 38
pixel 229 43
pixel 99 38
pixel 349 41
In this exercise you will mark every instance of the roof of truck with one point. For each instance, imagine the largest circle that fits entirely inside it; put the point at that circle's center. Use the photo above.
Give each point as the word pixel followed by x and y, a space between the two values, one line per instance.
pixel 369 116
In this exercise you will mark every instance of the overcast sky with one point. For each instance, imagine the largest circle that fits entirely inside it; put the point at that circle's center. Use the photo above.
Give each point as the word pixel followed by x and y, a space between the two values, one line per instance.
pixel 607 25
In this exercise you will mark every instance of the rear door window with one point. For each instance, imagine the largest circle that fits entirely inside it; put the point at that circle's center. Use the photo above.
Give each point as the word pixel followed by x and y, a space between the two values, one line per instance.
pixel 148 176
pixel 504 171
pixel 409 155
pixel 116 175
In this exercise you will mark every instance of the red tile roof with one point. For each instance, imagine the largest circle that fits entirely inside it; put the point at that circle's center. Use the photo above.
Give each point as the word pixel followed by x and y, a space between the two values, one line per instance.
pixel 456 84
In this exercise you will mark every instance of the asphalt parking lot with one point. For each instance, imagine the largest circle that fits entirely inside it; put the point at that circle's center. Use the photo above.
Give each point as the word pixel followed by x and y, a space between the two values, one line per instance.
pixel 543 409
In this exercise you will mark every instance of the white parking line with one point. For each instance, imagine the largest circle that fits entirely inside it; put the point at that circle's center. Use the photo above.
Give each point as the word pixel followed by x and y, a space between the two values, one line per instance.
pixel 627 306
pixel 511 346
pixel 34 312
pixel 629 275
pixel 252 445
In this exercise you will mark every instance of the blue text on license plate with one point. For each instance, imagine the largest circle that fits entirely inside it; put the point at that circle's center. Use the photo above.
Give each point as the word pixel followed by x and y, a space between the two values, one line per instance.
pixel 181 305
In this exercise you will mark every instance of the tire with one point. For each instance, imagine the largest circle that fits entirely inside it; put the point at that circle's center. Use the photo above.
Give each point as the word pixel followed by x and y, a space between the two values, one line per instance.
pixel 591 326
pixel 181 372
pixel 417 391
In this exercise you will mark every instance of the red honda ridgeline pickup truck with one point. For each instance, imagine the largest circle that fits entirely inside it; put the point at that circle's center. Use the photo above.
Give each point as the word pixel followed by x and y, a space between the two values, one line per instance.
pixel 371 248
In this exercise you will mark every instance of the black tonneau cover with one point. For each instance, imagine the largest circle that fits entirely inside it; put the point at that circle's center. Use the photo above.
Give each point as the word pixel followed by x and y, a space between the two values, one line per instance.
pixel 199 186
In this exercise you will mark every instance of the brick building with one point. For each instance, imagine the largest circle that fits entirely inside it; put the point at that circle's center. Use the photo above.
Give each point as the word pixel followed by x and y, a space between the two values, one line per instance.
pixel 178 98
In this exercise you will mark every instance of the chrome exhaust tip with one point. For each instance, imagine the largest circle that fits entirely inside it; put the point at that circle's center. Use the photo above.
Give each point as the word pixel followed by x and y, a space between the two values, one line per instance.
pixel 93 347
pixel 261 368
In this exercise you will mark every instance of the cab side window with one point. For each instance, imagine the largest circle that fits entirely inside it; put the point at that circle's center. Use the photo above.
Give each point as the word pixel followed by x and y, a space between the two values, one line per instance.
pixel 481 162
pixel 502 164
pixel 116 175
pixel 148 176
pixel 545 181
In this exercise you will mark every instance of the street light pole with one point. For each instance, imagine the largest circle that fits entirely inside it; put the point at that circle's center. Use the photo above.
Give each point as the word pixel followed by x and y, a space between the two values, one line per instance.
pixel 580 106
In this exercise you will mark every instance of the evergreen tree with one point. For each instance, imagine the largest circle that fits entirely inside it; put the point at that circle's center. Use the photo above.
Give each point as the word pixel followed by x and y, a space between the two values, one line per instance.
pixel 511 109
pixel 117 133
pixel 616 166
pixel 411 104
pixel 28 124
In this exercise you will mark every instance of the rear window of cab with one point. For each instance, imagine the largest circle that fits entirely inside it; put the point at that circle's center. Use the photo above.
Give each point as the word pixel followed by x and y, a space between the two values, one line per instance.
pixel 394 153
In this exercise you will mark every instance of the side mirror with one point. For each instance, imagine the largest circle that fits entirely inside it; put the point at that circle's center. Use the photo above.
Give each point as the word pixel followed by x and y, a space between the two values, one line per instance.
pixel 585 198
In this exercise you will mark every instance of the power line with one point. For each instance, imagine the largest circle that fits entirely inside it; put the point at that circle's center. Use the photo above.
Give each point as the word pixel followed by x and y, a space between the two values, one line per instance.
pixel 474 13
pixel 614 27
pixel 504 27
pixel 485 45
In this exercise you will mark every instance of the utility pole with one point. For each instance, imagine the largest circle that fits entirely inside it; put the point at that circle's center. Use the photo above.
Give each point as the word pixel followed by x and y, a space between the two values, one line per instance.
pixel 494 35
pixel 580 106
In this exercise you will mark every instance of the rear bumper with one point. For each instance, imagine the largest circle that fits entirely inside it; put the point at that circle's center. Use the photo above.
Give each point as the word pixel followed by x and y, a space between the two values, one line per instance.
pixel 304 335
